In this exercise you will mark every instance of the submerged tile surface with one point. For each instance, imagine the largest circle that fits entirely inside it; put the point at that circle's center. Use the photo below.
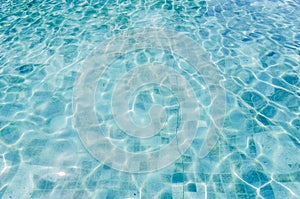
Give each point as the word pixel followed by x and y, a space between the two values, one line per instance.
pixel 246 143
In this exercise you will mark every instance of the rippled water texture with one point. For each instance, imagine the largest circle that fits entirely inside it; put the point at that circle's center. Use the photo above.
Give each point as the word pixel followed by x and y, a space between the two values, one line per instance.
pixel 150 99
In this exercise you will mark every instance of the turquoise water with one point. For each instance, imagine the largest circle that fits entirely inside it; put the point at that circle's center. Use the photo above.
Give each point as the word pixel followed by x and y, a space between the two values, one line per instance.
pixel 150 99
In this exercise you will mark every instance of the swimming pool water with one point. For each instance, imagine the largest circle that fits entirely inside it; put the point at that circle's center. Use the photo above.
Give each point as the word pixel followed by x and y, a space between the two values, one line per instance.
pixel 150 99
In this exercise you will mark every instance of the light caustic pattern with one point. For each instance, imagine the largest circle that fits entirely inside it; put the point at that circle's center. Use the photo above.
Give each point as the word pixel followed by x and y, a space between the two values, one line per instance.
pixel 134 81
